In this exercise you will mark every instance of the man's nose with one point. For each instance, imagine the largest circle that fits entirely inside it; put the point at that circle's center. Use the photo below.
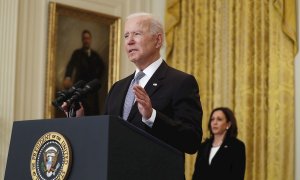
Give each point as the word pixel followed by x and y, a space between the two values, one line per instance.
pixel 130 40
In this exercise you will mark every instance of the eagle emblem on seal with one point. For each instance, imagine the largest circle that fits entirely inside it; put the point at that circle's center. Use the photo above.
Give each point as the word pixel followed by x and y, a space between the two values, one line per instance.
pixel 50 161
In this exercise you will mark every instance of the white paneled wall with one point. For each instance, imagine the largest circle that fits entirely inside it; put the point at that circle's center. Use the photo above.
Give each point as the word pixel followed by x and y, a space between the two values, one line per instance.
pixel 8 43
pixel 31 59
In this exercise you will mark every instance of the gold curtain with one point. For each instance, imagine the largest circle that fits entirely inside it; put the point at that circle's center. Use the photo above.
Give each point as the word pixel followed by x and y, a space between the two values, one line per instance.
pixel 241 53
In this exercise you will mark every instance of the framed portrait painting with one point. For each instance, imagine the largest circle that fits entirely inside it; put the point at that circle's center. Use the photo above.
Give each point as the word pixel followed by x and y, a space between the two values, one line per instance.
pixel 82 45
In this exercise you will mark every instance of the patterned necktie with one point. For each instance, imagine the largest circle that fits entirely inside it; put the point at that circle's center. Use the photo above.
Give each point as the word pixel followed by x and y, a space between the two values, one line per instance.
pixel 129 100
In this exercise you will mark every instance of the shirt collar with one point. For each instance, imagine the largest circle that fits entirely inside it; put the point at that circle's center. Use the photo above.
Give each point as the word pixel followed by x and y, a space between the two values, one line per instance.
pixel 150 70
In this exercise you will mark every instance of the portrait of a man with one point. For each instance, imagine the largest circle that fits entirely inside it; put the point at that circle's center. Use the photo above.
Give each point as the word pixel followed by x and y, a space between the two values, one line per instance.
pixel 82 53
pixel 85 64
pixel 83 45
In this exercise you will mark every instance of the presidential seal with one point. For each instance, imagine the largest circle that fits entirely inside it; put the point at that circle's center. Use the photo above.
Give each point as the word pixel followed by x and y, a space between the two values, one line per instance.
pixel 51 157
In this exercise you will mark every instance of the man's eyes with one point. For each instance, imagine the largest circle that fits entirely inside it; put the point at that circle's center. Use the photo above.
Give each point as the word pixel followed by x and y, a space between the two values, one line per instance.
pixel 133 33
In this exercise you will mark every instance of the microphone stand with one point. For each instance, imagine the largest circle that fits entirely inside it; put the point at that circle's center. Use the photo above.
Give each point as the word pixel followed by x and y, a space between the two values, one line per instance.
pixel 73 108
pixel 73 105
pixel 77 94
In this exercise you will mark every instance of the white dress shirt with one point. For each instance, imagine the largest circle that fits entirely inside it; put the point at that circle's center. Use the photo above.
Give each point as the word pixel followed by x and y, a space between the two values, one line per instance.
pixel 149 71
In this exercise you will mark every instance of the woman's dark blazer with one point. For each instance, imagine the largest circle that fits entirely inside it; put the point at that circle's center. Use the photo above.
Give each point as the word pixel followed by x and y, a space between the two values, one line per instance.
pixel 228 163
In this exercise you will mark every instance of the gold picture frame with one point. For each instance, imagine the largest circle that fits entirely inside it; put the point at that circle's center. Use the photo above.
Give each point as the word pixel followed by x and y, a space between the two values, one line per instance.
pixel 64 22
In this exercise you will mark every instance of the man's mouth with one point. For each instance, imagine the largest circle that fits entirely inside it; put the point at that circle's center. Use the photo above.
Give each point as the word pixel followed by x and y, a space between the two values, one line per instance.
pixel 131 50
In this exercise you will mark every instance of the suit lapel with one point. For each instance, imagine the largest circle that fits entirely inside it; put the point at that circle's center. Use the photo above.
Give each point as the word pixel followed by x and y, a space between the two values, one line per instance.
pixel 220 153
pixel 154 83
pixel 207 151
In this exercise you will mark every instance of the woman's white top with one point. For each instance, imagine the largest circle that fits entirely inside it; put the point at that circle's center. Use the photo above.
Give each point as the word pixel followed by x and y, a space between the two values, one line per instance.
pixel 212 153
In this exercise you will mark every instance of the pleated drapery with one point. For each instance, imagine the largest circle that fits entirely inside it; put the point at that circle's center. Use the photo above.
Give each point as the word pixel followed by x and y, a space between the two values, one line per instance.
pixel 242 55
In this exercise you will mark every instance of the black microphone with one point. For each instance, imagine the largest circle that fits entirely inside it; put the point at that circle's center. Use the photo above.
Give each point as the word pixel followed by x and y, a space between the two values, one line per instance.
pixel 91 86
pixel 64 95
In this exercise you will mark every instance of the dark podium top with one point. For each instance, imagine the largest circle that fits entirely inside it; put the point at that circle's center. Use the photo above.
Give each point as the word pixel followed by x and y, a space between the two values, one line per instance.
pixel 103 148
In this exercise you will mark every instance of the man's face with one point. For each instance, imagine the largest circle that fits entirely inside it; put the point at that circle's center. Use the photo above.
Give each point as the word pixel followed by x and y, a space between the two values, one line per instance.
pixel 86 40
pixel 140 44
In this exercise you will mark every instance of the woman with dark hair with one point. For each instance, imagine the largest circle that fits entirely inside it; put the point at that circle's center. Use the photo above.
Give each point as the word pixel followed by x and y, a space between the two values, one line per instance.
pixel 222 156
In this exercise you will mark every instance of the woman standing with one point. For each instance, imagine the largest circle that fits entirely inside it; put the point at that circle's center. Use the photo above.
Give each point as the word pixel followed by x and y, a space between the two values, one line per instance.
pixel 222 156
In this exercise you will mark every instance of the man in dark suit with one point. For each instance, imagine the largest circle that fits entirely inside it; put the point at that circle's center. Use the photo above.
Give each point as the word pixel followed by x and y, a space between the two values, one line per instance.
pixel 85 64
pixel 163 101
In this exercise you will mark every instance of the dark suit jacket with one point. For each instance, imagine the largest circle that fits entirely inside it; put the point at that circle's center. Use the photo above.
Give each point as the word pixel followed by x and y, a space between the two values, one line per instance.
pixel 86 68
pixel 175 97
pixel 228 163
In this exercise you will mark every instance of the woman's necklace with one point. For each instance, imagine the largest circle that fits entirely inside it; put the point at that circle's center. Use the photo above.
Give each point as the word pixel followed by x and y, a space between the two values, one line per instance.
pixel 217 144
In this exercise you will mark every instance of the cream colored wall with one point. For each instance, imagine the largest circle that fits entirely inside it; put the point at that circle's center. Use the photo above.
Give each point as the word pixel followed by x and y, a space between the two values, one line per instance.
pixel 23 46
pixel 8 39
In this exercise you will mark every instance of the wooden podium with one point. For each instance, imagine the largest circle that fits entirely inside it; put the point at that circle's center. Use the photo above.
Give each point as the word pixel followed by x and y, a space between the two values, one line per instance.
pixel 103 148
